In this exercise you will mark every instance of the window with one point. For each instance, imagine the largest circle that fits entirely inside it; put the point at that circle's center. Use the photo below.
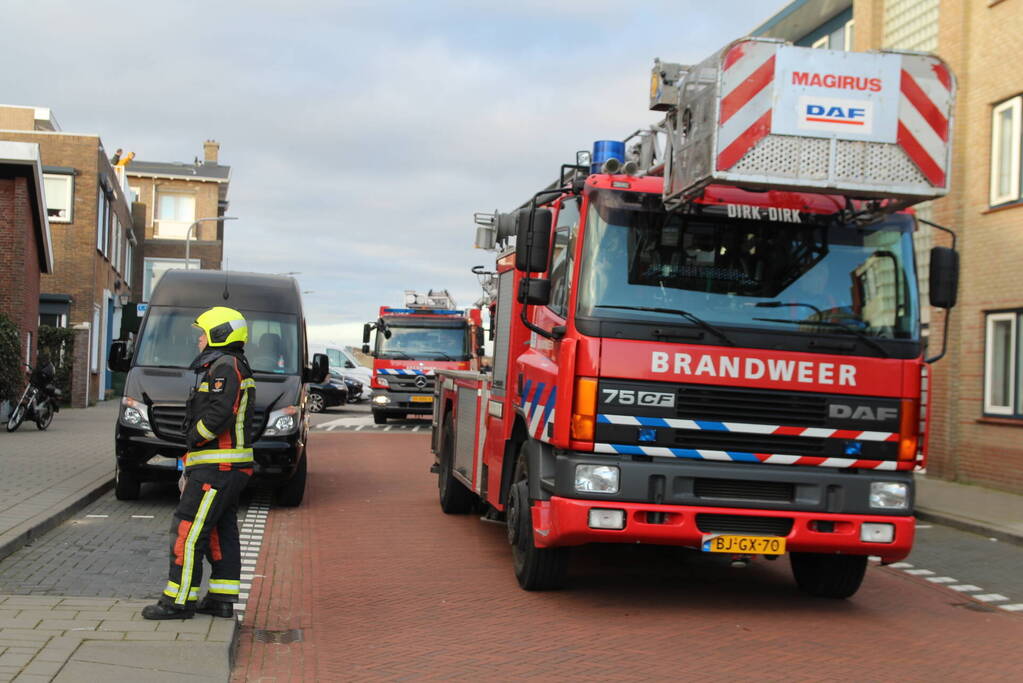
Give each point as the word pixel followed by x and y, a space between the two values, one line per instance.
pixel 28 348
pixel 60 197
pixel 562 255
pixel 174 214
pixel 821 43
pixel 155 268
pixel 1003 356
pixel 1005 151
pixel 133 194
pixel 94 337
pixel 850 32
pixel 116 234
pixel 128 254
pixel 103 214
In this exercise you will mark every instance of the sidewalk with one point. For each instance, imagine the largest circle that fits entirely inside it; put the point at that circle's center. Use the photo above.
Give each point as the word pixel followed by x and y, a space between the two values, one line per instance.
pixel 972 508
pixel 45 479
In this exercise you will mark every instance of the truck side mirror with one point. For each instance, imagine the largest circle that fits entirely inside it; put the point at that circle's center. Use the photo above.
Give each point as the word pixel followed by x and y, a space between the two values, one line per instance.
pixel 944 277
pixel 320 368
pixel 533 242
pixel 534 291
pixel 118 358
pixel 479 341
pixel 365 335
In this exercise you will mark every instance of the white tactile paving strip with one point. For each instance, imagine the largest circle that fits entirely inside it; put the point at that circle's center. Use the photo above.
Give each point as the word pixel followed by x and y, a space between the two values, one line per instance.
pixel 251 534
pixel 971 591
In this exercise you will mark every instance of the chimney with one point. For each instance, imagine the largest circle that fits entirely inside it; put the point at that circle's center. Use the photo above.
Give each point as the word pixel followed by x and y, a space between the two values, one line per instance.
pixel 210 149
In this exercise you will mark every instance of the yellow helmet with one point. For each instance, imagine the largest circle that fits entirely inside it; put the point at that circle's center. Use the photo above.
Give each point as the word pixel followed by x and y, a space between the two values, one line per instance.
pixel 223 326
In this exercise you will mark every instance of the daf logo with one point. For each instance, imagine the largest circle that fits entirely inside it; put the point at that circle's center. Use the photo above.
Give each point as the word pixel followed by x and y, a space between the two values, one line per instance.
pixel 421 381
pixel 865 413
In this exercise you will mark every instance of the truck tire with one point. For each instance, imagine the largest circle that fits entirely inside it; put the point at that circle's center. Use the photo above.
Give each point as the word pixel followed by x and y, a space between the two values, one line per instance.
pixel 126 484
pixel 290 493
pixel 828 576
pixel 536 569
pixel 455 499
pixel 379 418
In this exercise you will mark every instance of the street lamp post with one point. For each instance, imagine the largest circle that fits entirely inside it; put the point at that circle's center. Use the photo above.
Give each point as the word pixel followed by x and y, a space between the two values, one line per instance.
pixel 188 233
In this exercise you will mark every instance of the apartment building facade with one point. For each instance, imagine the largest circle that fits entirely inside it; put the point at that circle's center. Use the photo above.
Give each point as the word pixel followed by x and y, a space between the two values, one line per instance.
pixel 95 251
pixel 183 203
pixel 977 389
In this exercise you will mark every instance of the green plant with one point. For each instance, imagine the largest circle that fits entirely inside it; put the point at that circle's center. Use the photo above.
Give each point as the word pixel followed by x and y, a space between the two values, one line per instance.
pixel 11 369
pixel 59 344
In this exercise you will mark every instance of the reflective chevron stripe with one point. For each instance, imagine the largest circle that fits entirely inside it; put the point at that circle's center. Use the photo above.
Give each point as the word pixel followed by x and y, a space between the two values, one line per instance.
pixel 747 428
pixel 743 456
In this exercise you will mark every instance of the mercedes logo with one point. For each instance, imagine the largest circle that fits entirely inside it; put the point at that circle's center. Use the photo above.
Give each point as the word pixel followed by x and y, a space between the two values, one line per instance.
pixel 421 381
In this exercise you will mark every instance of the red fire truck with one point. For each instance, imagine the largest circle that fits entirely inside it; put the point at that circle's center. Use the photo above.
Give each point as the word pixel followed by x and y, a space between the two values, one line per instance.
pixel 411 343
pixel 721 350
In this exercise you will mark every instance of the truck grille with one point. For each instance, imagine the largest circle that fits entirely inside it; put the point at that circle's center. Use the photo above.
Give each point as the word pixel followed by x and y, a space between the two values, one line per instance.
pixel 725 404
pixel 406 383
pixel 743 524
pixel 737 489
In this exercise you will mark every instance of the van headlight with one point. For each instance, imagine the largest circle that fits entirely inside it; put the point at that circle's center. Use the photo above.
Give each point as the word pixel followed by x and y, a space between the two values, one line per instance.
pixel 134 414
pixel 281 422
pixel 889 495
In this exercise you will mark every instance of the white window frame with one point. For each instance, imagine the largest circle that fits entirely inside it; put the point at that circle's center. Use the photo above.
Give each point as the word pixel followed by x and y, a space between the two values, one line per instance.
pixel 173 228
pixel 1015 105
pixel 148 287
pixel 849 28
pixel 69 180
pixel 821 43
pixel 95 336
pixel 136 193
pixel 1012 317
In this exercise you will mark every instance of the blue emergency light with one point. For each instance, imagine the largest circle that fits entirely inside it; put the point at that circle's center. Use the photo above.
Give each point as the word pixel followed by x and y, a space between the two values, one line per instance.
pixel 604 150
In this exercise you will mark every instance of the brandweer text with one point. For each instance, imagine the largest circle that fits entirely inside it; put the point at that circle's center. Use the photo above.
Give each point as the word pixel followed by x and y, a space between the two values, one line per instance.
pixel 803 371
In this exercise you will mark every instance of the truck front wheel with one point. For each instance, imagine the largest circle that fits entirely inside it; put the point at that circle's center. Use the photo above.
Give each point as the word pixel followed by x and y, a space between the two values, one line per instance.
pixel 536 569
pixel 828 576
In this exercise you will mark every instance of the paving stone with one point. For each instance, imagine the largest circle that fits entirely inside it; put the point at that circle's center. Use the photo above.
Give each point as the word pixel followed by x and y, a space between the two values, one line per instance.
pixel 69 624
pixel 29 678
pixel 127 626
pixel 194 625
pixel 48 614
pixel 27 602
pixel 43 668
pixel 18 622
pixel 29 634
pixel 150 635
pixel 13 659
pixel 191 636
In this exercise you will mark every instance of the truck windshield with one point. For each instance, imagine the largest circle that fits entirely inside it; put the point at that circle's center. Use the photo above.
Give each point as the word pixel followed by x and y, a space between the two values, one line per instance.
pixel 170 341
pixel 436 343
pixel 748 268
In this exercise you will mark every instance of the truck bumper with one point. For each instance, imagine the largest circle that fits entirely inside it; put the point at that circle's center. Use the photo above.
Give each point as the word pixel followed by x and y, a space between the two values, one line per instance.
pixel 401 403
pixel 565 522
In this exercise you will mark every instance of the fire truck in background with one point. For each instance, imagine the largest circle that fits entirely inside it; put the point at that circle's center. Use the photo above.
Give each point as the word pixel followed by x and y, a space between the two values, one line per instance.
pixel 717 346
pixel 411 343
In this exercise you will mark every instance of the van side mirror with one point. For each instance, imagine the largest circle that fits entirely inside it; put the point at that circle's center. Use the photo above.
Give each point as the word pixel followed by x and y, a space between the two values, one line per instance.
pixel 533 242
pixel 320 368
pixel 534 291
pixel 119 358
pixel 944 277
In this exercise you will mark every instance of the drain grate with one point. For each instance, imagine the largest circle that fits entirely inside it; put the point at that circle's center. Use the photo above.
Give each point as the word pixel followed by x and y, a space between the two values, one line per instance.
pixel 261 635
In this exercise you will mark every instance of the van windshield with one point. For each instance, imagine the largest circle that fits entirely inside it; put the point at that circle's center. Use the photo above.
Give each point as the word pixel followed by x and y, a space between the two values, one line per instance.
pixel 169 340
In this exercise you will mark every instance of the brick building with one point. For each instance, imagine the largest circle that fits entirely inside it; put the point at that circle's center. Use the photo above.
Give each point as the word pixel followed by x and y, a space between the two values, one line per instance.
pixel 94 247
pixel 25 247
pixel 176 195
pixel 977 413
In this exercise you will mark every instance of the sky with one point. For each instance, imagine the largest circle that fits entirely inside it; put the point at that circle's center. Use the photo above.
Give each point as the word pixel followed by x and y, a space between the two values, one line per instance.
pixel 361 135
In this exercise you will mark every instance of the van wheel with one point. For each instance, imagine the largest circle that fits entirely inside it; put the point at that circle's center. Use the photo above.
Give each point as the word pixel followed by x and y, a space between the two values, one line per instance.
pixel 290 494
pixel 536 569
pixel 828 576
pixel 455 499
pixel 379 418
pixel 127 485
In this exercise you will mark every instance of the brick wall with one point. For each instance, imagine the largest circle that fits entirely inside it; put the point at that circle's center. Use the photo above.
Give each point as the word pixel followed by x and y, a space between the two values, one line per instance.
pixel 19 259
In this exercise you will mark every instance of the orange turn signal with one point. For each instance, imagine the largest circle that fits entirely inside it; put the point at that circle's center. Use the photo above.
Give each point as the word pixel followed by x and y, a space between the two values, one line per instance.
pixel 909 429
pixel 584 409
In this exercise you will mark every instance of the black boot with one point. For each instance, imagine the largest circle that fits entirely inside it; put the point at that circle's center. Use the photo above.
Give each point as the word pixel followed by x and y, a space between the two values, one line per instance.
pixel 216 608
pixel 162 610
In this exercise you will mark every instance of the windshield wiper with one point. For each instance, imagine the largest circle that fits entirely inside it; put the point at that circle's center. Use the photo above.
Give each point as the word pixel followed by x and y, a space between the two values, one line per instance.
pixel 869 341
pixel 677 311
pixel 405 355
pixel 441 353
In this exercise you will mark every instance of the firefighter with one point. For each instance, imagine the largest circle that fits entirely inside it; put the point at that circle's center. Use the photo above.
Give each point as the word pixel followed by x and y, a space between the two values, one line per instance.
pixel 216 467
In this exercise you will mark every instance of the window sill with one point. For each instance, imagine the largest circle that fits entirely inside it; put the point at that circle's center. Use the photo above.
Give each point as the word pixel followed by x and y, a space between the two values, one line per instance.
pixel 1003 207
pixel 1003 421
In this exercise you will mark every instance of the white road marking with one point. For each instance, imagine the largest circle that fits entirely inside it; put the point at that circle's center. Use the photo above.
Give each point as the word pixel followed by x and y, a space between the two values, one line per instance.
pixel 942 579
pixel 990 597
pixel 142 517
pixel 919 572
pixel 900 565
pixel 1016 607
pixel 97 516
pixel 966 588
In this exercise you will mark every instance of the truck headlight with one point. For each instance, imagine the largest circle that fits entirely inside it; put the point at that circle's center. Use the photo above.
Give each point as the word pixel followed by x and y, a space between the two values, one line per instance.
pixel 889 495
pixel 134 414
pixel 281 422
pixel 596 478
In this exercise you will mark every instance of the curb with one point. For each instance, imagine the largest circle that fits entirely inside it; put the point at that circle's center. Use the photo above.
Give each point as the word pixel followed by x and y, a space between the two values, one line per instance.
pixel 971 525
pixel 47 523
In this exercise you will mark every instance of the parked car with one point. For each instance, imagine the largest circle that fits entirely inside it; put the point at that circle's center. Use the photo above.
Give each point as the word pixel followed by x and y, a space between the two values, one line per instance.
pixel 333 391
pixel 357 391
pixel 149 436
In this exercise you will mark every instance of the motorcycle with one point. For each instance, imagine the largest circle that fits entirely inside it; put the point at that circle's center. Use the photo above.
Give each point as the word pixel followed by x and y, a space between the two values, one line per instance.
pixel 38 402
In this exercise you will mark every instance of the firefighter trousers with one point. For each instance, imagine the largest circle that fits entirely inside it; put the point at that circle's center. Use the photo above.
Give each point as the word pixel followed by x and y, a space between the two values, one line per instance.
pixel 206 524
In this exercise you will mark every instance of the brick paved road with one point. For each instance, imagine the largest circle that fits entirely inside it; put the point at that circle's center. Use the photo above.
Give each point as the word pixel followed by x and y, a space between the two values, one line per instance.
pixel 382 585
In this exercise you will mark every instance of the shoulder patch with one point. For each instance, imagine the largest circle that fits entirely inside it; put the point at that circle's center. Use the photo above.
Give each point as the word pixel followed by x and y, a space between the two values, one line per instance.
pixel 218 385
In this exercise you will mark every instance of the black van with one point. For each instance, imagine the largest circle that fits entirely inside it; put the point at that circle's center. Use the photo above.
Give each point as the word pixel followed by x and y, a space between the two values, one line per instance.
pixel 149 434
